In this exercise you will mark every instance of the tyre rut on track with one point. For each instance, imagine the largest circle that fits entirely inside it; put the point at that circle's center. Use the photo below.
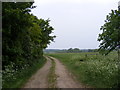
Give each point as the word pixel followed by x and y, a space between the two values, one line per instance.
pixel 64 79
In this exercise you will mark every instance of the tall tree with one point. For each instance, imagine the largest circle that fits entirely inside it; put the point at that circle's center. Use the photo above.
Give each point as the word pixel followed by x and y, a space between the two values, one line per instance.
pixel 15 24
pixel 110 36
pixel 24 35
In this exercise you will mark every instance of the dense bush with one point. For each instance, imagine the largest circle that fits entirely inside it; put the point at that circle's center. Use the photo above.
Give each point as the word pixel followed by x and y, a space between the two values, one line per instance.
pixel 24 37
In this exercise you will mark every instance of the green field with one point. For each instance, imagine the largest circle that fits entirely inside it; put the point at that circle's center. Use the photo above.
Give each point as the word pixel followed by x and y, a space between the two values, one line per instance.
pixel 91 68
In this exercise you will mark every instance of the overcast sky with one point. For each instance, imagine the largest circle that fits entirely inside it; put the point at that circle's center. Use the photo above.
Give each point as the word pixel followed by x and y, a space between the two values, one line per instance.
pixel 76 22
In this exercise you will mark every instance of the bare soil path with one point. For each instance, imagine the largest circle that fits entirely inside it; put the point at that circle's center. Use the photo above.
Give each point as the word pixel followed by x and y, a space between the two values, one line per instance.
pixel 40 79
pixel 64 79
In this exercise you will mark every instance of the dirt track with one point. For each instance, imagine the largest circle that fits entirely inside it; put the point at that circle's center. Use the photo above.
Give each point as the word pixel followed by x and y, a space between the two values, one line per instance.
pixel 64 78
pixel 40 79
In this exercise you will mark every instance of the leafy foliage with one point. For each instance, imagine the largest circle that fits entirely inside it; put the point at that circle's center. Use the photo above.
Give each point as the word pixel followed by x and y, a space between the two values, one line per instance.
pixel 110 36
pixel 24 36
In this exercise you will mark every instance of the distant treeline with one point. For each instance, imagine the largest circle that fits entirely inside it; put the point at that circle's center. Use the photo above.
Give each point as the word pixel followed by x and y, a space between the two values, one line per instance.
pixel 70 50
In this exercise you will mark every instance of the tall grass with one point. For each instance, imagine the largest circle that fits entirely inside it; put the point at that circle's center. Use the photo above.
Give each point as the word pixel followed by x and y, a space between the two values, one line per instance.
pixel 92 69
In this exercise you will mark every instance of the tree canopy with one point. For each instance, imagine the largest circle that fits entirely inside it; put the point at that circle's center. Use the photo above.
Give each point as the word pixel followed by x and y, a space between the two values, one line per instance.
pixel 110 37
pixel 24 36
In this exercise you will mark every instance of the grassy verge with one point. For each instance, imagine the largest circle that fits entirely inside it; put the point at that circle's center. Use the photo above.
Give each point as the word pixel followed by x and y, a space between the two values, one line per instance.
pixel 21 77
pixel 92 69
pixel 52 76
pixel 0 79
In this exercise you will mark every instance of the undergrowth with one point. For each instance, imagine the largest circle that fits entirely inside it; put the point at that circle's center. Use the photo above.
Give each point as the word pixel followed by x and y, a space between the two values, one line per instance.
pixel 13 78
pixel 92 69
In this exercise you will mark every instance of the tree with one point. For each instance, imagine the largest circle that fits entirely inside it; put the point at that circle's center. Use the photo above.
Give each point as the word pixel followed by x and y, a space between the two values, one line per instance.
pixel 15 24
pixel 110 36
pixel 46 31
pixel 24 36
pixel 70 50
pixel 76 50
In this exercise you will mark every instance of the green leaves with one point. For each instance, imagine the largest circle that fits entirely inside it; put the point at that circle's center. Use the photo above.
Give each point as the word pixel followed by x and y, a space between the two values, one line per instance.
pixel 24 35
pixel 110 36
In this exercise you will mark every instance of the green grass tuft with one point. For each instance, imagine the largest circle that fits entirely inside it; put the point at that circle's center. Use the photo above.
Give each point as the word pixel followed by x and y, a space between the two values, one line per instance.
pixel 52 75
